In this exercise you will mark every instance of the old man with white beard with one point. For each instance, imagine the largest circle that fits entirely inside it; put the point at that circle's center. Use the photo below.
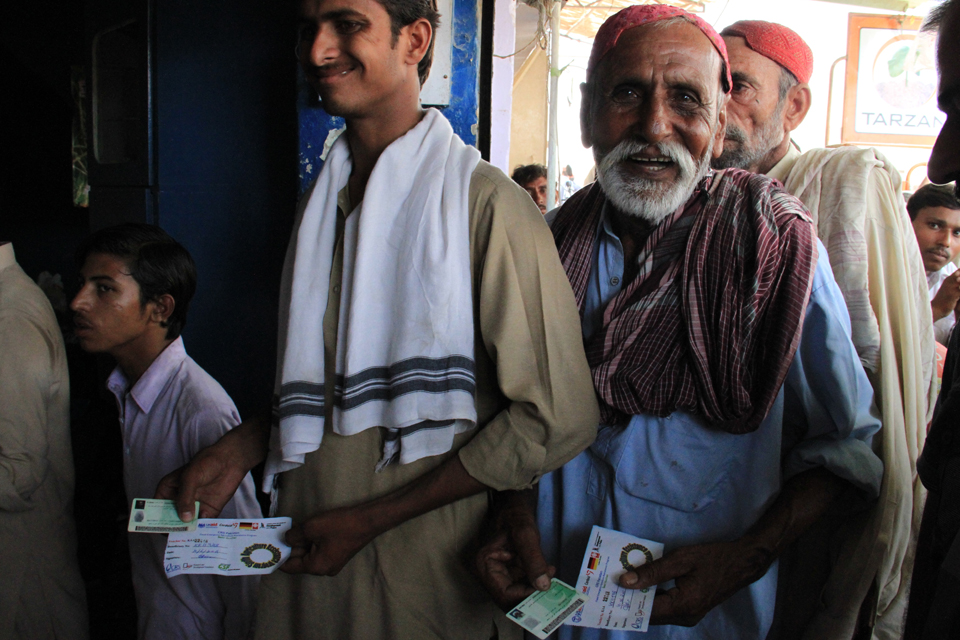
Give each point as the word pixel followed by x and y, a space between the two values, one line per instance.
pixel 734 409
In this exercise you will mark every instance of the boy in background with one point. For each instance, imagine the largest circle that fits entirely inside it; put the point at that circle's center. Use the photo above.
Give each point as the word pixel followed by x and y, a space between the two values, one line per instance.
pixel 136 283
pixel 935 213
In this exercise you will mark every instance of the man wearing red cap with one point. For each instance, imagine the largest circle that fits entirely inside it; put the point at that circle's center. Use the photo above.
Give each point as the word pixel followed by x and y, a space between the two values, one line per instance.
pixel 733 406
pixel 854 197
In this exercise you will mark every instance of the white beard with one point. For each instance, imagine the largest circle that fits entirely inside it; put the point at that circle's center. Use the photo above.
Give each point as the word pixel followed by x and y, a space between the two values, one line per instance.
pixel 649 200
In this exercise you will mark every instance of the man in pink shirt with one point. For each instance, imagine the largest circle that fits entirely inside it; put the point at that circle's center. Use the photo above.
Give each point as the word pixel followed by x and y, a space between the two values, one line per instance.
pixel 136 283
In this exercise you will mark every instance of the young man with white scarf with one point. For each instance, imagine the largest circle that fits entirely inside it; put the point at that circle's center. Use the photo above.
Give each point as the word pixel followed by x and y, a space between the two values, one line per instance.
pixel 446 335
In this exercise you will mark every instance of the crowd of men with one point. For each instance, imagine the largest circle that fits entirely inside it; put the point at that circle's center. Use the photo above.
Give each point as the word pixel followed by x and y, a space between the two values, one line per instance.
pixel 722 344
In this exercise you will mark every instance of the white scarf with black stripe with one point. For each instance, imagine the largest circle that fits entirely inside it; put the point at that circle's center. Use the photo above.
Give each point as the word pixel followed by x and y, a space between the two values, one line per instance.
pixel 405 357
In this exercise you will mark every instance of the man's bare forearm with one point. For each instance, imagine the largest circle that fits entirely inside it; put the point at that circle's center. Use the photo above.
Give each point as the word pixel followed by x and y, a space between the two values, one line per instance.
pixel 941 310
pixel 803 500
pixel 324 543
pixel 252 437
pixel 443 485
pixel 710 573
pixel 521 500
pixel 214 473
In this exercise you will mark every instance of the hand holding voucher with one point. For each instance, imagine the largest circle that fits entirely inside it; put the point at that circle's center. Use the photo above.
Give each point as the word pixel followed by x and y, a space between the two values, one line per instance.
pixel 323 544
pixel 704 575
pixel 510 564
pixel 228 547
pixel 214 474
pixel 611 604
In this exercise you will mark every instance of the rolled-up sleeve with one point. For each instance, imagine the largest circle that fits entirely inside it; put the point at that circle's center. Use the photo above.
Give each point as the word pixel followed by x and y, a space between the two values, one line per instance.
pixel 25 366
pixel 829 412
pixel 529 329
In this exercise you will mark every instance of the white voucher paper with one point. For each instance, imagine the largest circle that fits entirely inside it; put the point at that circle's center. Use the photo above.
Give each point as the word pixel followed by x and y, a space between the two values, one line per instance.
pixel 609 555
pixel 228 547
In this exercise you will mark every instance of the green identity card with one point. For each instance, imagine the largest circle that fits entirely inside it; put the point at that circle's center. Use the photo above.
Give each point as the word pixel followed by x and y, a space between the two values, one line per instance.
pixel 159 516
pixel 544 611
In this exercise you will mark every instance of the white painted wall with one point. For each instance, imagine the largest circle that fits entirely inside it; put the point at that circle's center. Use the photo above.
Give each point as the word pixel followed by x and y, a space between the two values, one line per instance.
pixel 501 91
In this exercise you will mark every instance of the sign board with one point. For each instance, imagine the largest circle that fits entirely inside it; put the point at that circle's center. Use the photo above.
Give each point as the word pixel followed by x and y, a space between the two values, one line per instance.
pixel 891 83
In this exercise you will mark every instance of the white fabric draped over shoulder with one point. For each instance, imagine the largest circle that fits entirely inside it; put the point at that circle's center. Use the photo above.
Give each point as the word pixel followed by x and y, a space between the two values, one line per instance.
pixel 856 202
pixel 405 358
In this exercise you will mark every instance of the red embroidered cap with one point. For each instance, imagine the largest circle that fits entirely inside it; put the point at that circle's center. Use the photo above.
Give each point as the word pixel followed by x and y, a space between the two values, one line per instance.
pixel 777 42
pixel 639 15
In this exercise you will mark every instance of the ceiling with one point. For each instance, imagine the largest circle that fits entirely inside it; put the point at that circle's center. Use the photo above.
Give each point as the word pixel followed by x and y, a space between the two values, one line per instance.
pixel 890 5
pixel 581 18
pixel 578 18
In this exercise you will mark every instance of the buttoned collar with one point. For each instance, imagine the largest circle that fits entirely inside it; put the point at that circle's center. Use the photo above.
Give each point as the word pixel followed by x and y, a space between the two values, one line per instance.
pixel 153 381
pixel 604 223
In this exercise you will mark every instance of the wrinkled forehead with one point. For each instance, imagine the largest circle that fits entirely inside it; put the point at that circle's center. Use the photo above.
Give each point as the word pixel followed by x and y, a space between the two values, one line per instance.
pixel 675 50
pixel 653 17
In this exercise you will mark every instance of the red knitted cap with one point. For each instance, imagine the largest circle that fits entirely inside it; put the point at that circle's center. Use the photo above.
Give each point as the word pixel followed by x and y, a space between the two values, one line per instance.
pixel 777 42
pixel 642 14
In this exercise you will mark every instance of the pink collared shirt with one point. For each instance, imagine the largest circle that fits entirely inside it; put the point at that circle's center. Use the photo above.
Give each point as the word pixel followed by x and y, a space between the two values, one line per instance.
pixel 174 410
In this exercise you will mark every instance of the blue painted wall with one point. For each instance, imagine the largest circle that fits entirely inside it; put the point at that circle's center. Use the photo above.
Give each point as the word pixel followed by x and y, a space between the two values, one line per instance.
pixel 226 158
pixel 315 123
pixel 237 137
pixel 230 119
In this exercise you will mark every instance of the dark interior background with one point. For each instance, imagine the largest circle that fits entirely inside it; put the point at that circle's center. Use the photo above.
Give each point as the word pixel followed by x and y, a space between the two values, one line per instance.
pixel 215 88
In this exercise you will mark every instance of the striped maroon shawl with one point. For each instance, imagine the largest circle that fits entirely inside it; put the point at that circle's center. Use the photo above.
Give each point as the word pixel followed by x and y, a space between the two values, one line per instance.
pixel 711 323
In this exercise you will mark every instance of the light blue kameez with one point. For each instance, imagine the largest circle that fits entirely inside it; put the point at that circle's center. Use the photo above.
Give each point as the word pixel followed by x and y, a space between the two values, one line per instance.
pixel 676 481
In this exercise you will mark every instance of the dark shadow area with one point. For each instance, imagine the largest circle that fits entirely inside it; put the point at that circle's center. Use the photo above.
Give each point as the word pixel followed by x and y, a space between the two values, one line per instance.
pixel 221 178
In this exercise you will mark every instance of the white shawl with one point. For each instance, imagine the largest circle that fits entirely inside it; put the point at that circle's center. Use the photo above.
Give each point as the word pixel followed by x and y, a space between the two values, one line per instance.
pixel 405 341
pixel 854 197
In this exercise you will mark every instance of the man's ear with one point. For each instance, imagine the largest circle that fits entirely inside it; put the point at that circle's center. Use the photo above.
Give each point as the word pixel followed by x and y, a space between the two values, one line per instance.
pixel 163 307
pixel 586 115
pixel 721 132
pixel 798 101
pixel 418 35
